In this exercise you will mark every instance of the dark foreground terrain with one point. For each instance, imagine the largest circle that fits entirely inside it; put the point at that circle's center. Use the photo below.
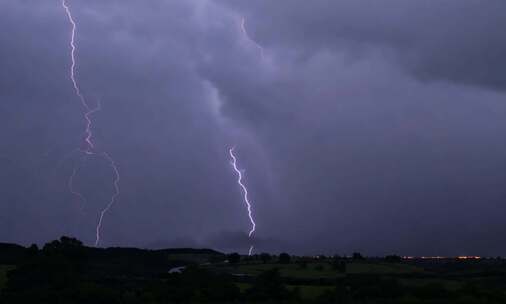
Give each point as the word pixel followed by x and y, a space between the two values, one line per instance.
pixel 65 271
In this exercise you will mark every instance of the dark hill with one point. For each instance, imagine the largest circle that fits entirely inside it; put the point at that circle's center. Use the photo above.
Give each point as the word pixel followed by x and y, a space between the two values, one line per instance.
pixel 11 254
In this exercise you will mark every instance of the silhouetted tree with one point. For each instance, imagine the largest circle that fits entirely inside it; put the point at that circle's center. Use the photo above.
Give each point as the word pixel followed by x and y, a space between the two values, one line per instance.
pixel 338 263
pixel 357 256
pixel 265 257
pixel 196 285
pixel 269 286
pixel 302 264
pixel 65 243
pixel 284 258
pixel 393 258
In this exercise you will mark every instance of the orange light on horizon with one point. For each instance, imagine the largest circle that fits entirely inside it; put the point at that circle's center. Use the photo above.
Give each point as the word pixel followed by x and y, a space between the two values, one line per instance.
pixel 472 257
pixel 462 257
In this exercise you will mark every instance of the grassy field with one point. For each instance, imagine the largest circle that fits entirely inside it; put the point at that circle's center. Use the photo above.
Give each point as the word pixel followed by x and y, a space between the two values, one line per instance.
pixel 3 274
pixel 243 286
pixel 311 271
pixel 381 268
pixel 325 270
pixel 307 292
pixel 311 292
pixel 451 285
pixel 442 280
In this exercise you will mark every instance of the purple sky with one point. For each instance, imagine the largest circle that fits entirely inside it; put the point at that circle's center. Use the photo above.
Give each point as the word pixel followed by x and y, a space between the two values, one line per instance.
pixel 372 126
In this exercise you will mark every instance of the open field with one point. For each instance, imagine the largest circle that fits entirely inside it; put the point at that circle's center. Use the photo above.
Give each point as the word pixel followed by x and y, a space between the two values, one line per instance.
pixel 307 292
pixel 3 274
pixel 72 273
pixel 381 268
pixel 312 271
pixel 406 281
pixel 310 292
pixel 323 270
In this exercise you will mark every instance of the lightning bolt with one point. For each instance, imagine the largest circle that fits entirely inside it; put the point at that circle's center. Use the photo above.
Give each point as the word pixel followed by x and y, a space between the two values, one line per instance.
pixel 245 194
pixel 113 197
pixel 70 185
pixel 89 148
pixel 245 33
pixel 73 54
pixel 88 134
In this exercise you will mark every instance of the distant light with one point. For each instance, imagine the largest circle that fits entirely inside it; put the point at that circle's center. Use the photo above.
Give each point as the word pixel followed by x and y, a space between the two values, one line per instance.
pixel 462 257
pixel 469 257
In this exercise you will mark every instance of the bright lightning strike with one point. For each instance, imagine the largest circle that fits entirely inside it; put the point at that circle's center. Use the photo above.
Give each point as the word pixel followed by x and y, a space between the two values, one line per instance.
pixel 245 194
pixel 87 131
pixel 88 111
pixel 113 197
pixel 245 33
pixel 72 54
pixel 88 135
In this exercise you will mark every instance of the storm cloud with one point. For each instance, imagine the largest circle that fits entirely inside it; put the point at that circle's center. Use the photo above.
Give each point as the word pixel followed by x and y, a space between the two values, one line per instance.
pixel 367 125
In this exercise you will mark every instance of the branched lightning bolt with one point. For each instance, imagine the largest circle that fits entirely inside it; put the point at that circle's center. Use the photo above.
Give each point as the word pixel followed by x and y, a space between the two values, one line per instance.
pixel 245 33
pixel 231 151
pixel 89 148
pixel 88 134
pixel 245 194
pixel 113 197
pixel 70 184
pixel 72 54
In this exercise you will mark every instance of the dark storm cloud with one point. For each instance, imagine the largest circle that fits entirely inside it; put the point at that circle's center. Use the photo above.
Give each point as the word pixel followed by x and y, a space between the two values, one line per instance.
pixel 347 131
pixel 154 122
pixel 343 148
pixel 454 40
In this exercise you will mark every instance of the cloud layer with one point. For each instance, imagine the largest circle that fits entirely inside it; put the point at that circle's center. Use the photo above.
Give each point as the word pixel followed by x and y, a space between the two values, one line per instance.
pixel 365 125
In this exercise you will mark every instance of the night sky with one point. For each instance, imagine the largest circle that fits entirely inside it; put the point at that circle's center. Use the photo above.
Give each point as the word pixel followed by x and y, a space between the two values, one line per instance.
pixel 371 126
